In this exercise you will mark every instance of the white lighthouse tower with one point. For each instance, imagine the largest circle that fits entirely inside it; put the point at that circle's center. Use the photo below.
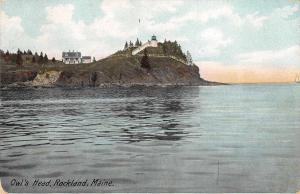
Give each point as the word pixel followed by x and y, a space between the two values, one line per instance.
pixel 152 43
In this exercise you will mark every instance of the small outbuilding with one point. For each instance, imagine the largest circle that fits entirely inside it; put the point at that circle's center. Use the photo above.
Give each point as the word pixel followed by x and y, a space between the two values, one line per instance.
pixel 86 59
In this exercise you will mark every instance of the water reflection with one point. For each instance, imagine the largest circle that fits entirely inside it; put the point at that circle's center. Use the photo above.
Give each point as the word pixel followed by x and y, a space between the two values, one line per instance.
pixel 118 114
pixel 152 118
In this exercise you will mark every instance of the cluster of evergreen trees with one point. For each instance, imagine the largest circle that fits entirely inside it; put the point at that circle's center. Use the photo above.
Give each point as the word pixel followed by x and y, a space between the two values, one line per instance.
pixel 26 56
pixel 145 61
pixel 173 48
pixel 130 44
pixel 168 47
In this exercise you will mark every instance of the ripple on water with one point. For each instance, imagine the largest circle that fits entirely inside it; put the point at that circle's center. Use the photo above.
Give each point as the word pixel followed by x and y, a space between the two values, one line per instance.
pixel 4 161
pixel 22 166
pixel 201 173
pixel 60 157
pixel 86 172
pixel 108 165
pixel 9 174
pixel 49 175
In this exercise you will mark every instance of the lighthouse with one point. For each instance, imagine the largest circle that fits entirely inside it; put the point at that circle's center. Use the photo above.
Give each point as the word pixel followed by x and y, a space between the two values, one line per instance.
pixel 153 41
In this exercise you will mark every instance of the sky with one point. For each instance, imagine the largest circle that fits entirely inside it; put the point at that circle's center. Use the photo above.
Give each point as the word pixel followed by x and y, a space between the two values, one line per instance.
pixel 233 41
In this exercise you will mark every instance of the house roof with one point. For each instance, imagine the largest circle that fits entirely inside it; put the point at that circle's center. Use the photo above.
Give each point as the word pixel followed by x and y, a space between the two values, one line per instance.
pixel 86 57
pixel 71 54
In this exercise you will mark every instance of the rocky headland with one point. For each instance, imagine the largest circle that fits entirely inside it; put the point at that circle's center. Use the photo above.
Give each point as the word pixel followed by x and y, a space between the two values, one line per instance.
pixel 151 67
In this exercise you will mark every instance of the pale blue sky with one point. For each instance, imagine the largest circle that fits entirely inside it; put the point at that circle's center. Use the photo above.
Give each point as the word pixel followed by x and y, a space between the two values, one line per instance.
pixel 240 32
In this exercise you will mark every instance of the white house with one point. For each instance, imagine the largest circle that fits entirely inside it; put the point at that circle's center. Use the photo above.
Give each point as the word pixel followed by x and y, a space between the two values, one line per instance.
pixel 152 43
pixel 71 57
pixel 75 58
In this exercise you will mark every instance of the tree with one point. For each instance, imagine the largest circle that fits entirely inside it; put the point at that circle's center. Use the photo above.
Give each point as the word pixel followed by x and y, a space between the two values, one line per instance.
pixel 45 59
pixel 33 59
pixel 173 48
pixel 53 60
pixel 164 47
pixel 94 59
pixel 130 44
pixel 189 58
pixel 126 46
pixel 145 61
pixel 140 43
pixel 41 58
pixel 137 42
pixel 29 52
pixel 19 60
pixel 7 56
pixel 19 52
pixel 35 56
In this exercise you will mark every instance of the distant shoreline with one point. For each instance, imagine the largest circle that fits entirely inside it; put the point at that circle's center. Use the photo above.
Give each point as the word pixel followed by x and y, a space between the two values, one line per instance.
pixel 28 86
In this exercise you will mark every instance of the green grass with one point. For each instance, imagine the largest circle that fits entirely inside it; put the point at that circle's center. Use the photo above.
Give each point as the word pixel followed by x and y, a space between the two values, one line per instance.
pixel 110 65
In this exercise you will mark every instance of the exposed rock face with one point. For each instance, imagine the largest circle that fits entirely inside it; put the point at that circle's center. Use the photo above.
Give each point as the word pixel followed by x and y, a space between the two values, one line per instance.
pixel 46 79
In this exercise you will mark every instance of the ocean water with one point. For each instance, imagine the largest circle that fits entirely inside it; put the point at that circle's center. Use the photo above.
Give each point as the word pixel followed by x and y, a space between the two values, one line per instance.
pixel 235 138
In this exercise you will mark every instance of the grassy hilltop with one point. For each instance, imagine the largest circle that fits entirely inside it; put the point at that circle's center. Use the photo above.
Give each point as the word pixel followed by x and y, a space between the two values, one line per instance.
pixel 163 65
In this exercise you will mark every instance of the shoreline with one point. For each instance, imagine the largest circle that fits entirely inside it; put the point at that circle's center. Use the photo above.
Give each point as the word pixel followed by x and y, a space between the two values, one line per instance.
pixel 26 85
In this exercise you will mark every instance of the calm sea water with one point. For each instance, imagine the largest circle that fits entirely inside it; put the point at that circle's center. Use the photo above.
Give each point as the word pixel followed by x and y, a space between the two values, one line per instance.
pixel 238 138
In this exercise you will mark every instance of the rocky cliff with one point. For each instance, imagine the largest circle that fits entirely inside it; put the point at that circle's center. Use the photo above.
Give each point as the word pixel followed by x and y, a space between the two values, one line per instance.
pixel 124 71
pixel 119 69
pixel 112 71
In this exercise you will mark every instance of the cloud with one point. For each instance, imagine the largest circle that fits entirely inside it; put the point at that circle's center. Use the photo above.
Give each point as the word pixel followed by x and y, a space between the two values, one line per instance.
pixel 12 24
pixel 12 31
pixel 221 12
pixel 111 7
pixel 158 7
pixel 277 58
pixel 213 41
pixel 204 16
pixel 102 36
pixel 60 13
pixel 123 16
pixel 218 12
pixel 286 11
pixel 118 21
pixel 256 20
pixel 61 32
